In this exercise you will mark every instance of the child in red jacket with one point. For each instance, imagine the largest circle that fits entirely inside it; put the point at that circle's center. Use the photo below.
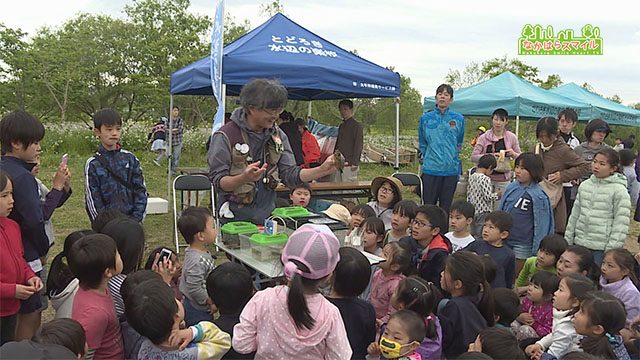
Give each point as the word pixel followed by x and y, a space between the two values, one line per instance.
pixel 17 280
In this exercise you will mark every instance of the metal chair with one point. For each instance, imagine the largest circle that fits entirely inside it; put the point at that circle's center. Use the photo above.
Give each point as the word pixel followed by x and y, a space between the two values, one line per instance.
pixel 410 179
pixel 185 183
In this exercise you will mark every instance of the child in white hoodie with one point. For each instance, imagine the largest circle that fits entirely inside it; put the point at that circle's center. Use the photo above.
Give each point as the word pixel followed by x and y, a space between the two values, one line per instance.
pixel 566 303
pixel 295 321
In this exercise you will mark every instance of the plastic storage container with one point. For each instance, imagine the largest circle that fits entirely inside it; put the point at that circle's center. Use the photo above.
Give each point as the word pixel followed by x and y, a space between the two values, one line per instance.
pixel 291 212
pixel 231 232
pixel 267 247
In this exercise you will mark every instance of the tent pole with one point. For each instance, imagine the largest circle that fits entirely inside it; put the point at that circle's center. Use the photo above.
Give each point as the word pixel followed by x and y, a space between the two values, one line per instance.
pixel 309 110
pixel 397 165
pixel 517 124
pixel 169 149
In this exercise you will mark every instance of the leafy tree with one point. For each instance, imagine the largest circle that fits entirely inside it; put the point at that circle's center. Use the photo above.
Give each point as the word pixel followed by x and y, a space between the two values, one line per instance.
pixel 497 66
pixel 272 8
pixel 471 74
pixel 552 81
pixel 233 30
pixel 615 98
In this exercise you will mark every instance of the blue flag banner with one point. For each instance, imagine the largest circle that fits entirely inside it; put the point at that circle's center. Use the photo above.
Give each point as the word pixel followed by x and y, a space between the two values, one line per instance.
pixel 216 63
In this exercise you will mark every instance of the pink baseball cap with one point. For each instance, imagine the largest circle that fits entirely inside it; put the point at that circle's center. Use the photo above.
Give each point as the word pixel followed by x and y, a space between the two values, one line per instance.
pixel 314 246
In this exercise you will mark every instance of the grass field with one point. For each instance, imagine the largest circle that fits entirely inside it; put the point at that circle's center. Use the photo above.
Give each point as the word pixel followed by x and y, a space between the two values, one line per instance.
pixel 159 228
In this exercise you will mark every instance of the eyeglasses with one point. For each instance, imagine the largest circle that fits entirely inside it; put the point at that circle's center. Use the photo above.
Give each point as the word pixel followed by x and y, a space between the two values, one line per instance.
pixel 420 224
pixel 386 189
pixel 274 112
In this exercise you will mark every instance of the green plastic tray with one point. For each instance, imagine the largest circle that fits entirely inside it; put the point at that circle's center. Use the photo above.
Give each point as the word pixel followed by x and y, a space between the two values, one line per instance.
pixel 291 212
pixel 239 227
pixel 267 240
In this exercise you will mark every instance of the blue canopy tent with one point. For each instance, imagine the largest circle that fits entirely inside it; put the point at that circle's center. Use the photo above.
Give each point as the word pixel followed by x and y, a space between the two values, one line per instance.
pixel 310 67
pixel 519 97
pixel 608 110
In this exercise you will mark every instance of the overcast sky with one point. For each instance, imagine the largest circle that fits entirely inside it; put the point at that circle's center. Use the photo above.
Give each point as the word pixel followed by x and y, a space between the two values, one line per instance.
pixel 424 39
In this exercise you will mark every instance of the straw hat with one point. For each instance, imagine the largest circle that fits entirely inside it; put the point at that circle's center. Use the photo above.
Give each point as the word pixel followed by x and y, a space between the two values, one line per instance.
pixel 338 212
pixel 395 183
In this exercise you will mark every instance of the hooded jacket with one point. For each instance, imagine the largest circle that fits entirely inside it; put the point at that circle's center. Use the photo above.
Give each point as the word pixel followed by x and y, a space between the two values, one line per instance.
pixel 219 159
pixel 62 302
pixel 600 216
pixel 429 262
pixel 627 292
pixel 267 328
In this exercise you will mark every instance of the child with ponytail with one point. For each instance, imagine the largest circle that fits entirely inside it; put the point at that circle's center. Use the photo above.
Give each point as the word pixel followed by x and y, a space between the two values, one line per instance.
pixel 295 321
pixel 600 319
pixel 470 309
pixel 414 293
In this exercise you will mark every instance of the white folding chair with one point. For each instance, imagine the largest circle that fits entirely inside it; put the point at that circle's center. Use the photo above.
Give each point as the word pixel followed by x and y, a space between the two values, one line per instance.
pixel 187 183
pixel 410 179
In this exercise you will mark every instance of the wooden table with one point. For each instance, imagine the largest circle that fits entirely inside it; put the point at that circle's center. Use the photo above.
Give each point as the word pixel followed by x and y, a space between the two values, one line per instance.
pixel 334 190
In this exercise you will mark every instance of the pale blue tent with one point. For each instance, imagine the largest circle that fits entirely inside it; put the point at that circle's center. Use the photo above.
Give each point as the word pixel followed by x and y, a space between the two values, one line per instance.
pixel 608 110
pixel 519 97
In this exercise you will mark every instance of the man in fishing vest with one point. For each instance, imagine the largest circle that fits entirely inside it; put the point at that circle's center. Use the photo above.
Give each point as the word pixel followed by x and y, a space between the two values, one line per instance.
pixel 250 155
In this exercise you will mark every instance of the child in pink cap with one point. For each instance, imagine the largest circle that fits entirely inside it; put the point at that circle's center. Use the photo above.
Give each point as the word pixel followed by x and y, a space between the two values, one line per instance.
pixel 295 321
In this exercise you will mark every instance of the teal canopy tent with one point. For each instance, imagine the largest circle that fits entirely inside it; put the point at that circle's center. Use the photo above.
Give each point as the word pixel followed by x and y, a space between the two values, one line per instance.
pixel 608 110
pixel 519 97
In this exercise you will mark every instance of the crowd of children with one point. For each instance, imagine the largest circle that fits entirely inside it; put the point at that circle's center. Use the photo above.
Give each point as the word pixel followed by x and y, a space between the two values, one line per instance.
pixel 470 282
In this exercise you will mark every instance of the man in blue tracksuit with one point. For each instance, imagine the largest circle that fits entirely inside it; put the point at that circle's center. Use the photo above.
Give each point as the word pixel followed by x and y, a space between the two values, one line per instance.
pixel 440 133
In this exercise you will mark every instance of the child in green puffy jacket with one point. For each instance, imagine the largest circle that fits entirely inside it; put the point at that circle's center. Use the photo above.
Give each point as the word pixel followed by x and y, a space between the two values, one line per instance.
pixel 599 220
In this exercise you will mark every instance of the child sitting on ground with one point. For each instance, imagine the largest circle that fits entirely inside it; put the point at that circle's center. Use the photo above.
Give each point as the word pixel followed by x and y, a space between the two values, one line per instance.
pixel 197 226
pixel 153 311
pixel 497 226
pixel 460 218
pixel 94 260
pixel 350 278
pixel 131 339
pixel 566 303
pixel 294 321
pixel 420 296
pixel 62 285
pixel 387 277
pixel 428 248
pixel 480 193
pixel 401 337
pixel 358 214
pixel 403 214
pixel 618 279
pixel 373 235
pixel 536 318
pixel 549 252
pixel 506 307
pixel 497 343
pixel 599 320
pixel 386 190
pixel 171 277
pixel 65 332
pixel 230 288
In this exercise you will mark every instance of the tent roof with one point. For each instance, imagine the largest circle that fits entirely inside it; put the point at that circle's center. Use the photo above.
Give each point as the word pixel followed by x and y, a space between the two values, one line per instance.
pixel 603 108
pixel 310 67
pixel 507 91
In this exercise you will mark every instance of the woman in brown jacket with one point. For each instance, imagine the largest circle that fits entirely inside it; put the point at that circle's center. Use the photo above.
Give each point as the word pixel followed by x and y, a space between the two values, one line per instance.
pixel 561 164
